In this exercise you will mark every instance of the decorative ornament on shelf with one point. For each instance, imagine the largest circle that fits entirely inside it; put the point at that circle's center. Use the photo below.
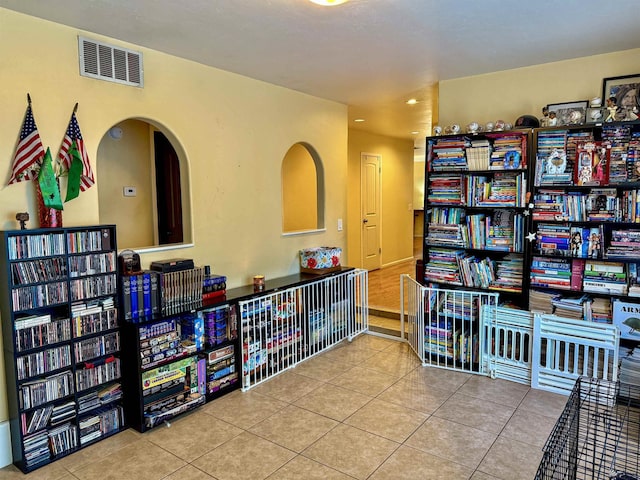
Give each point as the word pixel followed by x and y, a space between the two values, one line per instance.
pixel 23 218
pixel 544 120
pixel 489 127
pixel 473 127
pixel 437 130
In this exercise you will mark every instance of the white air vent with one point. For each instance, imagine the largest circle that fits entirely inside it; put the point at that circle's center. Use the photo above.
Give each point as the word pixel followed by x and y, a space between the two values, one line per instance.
pixel 108 62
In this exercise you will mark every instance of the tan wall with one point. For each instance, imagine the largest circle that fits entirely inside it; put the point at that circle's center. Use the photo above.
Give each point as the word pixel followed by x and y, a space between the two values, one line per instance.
pixel 234 130
pixel 508 94
pixel 300 194
pixel 397 196
pixel 127 162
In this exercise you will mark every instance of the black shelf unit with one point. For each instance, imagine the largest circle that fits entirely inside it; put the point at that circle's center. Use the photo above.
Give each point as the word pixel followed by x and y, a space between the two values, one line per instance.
pixel 585 218
pixel 476 213
pixel 58 300
pixel 171 362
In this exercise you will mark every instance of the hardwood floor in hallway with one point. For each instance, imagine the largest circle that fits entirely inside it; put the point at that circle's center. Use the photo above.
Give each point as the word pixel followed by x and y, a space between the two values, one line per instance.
pixel 384 292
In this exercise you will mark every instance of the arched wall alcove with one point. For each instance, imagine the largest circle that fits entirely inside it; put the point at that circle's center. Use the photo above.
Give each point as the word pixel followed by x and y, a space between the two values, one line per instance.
pixel 144 187
pixel 303 190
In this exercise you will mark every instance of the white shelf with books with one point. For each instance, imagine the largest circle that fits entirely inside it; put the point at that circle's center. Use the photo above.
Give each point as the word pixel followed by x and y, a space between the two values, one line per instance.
pixel 585 231
pixel 60 326
pixel 476 197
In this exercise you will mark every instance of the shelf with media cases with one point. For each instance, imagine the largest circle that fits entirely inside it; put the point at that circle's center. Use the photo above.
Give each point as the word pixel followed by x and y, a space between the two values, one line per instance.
pixel 61 340
pixel 476 212
pixel 585 231
pixel 179 362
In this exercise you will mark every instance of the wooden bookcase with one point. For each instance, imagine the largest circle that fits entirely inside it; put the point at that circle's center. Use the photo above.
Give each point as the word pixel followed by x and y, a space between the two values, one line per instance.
pixel 586 219
pixel 475 218
pixel 61 335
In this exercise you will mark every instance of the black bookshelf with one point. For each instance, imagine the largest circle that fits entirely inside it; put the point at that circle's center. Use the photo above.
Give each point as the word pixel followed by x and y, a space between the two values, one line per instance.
pixel 585 229
pixel 61 333
pixel 476 213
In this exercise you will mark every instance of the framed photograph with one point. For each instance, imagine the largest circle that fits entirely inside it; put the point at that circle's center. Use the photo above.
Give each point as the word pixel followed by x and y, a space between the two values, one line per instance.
pixel 595 115
pixel 570 113
pixel 626 92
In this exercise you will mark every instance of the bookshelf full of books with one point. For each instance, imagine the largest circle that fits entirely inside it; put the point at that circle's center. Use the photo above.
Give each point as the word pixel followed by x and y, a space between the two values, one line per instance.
pixel 585 238
pixel 476 211
pixel 61 339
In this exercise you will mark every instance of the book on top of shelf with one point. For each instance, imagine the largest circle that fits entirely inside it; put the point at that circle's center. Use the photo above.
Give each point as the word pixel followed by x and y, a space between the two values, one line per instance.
pixel 626 315
pixel 592 164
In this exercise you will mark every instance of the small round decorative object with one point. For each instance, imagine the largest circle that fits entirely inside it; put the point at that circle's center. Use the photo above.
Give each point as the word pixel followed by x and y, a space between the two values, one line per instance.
pixel 499 125
pixel 473 127
pixel 489 127
pixel 437 130
pixel 527 121
pixel 595 102
pixel 508 126
pixel 455 128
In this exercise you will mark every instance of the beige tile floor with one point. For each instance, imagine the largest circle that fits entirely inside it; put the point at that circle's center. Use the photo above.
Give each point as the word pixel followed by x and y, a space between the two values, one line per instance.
pixel 364 410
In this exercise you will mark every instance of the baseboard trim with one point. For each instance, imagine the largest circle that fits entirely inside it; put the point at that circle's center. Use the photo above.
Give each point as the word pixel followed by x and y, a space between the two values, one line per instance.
pixel 5 444
pixel 391 264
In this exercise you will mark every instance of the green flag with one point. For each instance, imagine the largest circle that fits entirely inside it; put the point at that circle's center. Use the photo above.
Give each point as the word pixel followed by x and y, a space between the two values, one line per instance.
pixel 75 171
pixel 49 184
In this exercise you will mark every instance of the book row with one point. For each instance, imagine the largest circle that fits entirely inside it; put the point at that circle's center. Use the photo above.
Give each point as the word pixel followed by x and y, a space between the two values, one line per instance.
pixel 613 278
pixel 154 293
pixel 460 268
pixel 598 204
pixel 587 242
pixel 493 152
pixel 503 189
pixel 501 230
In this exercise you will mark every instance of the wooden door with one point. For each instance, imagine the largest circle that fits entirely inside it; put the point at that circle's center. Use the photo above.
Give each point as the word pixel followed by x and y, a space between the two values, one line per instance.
pixel 370 207
pixel 168 191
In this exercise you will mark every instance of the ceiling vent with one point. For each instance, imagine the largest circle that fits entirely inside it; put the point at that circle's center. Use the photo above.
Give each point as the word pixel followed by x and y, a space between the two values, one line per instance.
pixel 108 62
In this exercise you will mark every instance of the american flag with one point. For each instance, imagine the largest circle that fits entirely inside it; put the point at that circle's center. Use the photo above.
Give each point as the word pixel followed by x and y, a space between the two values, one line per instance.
pixel 29 153
pixel 73 133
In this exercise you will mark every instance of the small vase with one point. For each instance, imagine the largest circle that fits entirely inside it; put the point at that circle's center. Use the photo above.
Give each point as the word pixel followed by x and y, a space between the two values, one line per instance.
pixel 47 217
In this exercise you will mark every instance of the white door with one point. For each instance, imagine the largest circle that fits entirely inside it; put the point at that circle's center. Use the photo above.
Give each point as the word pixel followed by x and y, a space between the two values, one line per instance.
pixel 370 208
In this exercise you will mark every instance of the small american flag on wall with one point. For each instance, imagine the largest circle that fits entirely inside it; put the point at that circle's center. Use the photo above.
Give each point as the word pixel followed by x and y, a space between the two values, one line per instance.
pixel 73 133
pixel 30 151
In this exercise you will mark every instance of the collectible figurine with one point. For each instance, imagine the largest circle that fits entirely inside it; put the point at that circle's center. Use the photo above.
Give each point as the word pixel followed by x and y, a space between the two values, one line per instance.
pixel 22 217
pixel 612 108
pixel 576 244
pixel 544 121
pixel 553 121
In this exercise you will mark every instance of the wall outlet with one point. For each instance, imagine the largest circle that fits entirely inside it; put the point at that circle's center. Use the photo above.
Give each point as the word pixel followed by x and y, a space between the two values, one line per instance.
pixel 129 191
pixel 339 224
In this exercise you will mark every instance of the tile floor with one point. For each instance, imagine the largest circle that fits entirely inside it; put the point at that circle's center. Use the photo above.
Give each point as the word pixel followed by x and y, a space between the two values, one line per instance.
pixel 364 410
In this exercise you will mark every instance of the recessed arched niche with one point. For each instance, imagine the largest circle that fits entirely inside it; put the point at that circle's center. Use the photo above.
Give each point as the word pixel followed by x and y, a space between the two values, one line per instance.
pixel 302 190
pixel 143 181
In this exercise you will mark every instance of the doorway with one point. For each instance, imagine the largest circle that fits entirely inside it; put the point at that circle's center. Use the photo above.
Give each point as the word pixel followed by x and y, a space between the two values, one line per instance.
pixel 168 191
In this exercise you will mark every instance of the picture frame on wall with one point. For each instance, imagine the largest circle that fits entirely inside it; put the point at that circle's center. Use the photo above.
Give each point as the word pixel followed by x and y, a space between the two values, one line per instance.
pixel 626 91
pixel 569 113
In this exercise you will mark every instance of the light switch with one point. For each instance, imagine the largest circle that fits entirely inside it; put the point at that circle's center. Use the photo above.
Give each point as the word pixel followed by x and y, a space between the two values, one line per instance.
pixel 339 224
